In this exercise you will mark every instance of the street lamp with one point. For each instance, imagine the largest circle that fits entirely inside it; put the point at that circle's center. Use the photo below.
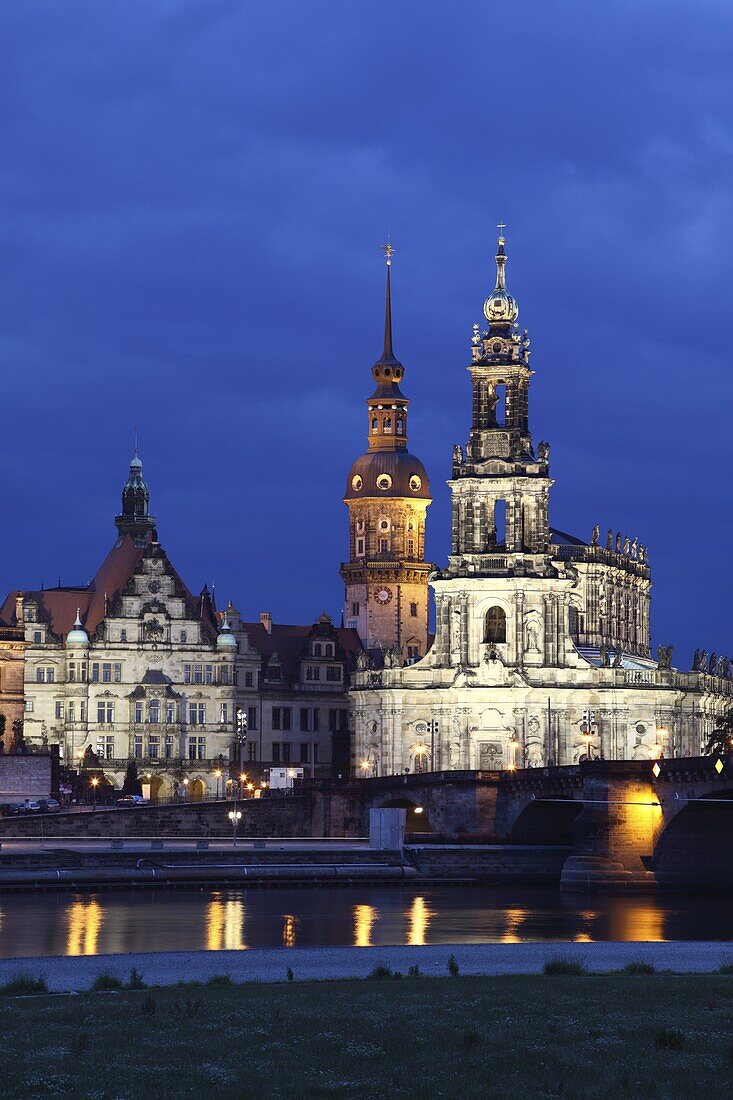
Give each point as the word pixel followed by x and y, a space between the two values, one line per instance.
pixel 235 817
pixel 242 780
pixel 217 773
pixel 95 781
pixel 186 781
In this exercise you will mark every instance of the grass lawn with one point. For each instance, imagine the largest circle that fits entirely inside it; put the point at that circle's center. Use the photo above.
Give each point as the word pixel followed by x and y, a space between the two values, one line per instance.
pixel 636 1035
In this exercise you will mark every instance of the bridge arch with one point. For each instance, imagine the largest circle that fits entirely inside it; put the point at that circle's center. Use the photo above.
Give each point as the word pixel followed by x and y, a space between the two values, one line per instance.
pixel 694 850
pixel 545 821
pixel 417 818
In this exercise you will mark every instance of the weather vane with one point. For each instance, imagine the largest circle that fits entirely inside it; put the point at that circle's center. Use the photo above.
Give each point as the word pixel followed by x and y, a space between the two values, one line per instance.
pixel 388 251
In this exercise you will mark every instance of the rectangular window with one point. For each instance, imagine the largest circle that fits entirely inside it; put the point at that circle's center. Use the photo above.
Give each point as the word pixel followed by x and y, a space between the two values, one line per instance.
pixel 252 751
pixel 28 706
pixel 315 753
pixel 312 672
pixel 187 674
pixel 304 716
pixel 224 671
pixel 382 546
pixel 276 721
pixel 274 672
pixel 154 711
pixel 71 711
pixel 117 667
pixel 40 675
pixel 37 636
pixel 197 714
pixel 198 674
pixel 343 721
pixel 105 712
pixel 154 747
pixel 59 709
pixel 138 713
pixel 184 636
pixel 224 712
pixel 201 748
pixel 248 679
pixel 304 752
pixel 333 673
pixel 138 747
pixel 208 674
pixel 316 719
pixel 276 752
pixel 83 672
pixel 168 747
pixel 106 673
pixel 95 672
pixel 411 548
pixel 82 711
pixel 286 752
pixel 413 610
pixel 413 652
pixel 355 609
pixel 50 675
pixel 252 718
pixel 123 635
pixel 287 717
pixel 332 720
pixel 360 548
pixel 106 747
pixel 72 672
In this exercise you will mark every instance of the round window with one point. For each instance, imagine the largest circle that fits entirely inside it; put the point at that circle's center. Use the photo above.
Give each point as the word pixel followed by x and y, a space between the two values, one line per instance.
pixel 496 348
pixel 384 525
pixel 415 483
pixel 384 481
pixel 356 483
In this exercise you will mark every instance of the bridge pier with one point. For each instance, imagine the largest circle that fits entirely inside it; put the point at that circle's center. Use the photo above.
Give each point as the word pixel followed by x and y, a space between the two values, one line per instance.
pixel 615 833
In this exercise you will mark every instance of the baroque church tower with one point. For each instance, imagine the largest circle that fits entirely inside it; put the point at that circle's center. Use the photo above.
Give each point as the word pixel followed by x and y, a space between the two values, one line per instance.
pixel 387 494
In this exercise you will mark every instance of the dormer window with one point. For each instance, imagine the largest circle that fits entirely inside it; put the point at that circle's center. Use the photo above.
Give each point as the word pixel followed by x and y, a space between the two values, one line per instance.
pixel 274 672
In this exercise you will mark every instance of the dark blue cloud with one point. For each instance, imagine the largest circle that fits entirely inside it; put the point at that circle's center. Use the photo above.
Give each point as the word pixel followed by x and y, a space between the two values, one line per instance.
pixel 191 199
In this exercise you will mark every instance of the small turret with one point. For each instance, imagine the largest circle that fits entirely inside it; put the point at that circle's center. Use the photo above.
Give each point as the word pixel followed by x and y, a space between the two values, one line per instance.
pixel 135 518
pixel 78 635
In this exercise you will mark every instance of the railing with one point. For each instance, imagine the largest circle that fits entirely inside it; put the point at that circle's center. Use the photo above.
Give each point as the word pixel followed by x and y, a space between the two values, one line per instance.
pixel 600 554
pixel 639 676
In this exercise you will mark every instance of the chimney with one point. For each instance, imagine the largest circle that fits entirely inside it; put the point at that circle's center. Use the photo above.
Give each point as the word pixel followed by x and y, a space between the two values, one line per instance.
pixel 266 620
pixel 19 608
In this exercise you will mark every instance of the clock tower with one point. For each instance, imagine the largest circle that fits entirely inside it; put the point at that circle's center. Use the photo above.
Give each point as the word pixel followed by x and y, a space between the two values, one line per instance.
pixel 387 494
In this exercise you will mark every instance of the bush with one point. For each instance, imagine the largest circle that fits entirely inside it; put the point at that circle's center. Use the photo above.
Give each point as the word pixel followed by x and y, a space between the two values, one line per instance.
pixel 453 968
pixel 220 979
pixel 381 972
pixel 555 967
pixel 136 980
pixel 638 968
pixel 414 972
pixel 727 968
pixel 107 983
pixel 23 986
pixel 669 1039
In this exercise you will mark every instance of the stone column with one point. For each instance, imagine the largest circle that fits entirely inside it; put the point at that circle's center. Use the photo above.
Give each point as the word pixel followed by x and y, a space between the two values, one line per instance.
pixel 519 628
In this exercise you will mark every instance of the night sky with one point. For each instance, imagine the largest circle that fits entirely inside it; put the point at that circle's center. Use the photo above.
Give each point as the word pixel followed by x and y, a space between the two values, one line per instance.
pixel 192 200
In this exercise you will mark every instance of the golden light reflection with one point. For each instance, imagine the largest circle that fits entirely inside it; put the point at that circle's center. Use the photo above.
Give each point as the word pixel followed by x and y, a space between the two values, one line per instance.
pixel 364 918
pixel 513 918
pixel 225 925
pixel 84 922
pixel 582 937
pixel 419 916
pixel 647 922
pixel 289 923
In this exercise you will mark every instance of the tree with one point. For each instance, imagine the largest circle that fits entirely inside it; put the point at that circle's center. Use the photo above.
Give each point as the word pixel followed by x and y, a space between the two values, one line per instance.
pixel 132 784
pixel 721 739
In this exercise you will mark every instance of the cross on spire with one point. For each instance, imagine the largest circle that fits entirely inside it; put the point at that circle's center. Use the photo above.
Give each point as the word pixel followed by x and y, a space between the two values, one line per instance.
pixel 501 226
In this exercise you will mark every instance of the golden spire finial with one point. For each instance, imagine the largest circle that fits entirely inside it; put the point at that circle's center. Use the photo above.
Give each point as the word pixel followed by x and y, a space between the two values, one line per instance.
pixel 388 251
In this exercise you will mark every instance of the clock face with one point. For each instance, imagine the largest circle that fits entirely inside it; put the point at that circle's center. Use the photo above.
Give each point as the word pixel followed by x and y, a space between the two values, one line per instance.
pixel 384 595
pixel 154 586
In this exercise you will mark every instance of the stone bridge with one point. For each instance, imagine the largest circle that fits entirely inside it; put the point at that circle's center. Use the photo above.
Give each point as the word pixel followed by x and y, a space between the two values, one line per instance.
pixel 632 824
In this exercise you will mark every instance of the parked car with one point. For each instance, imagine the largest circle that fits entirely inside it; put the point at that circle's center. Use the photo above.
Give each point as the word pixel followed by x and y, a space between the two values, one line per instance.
pixel 49 805
pixel 30 806
pixel 132 800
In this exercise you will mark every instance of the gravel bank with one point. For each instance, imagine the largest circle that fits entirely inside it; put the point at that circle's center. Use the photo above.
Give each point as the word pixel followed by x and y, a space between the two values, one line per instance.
pixel 69 974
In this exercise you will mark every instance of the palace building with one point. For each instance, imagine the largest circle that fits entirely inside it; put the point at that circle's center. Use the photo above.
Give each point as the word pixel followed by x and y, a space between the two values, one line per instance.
pixel 542 647
pixel 387 494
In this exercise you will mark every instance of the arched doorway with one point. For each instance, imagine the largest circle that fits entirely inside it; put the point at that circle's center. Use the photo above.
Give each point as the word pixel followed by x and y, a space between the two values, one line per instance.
pixel 417 820
pixel 197 790
pixel 160 789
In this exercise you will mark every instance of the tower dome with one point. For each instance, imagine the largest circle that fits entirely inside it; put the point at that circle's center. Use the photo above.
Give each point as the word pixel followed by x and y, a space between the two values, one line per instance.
pixel 500 309
pixel 78 635
pixel 226 640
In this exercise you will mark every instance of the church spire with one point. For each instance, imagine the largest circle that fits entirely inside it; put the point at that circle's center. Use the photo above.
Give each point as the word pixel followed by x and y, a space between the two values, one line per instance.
pixel 388 353
pixel 388 406
pixel 500 309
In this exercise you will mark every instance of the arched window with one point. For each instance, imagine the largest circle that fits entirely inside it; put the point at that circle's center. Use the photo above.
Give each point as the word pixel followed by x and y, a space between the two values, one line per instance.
pixel 388 423
pixel 399 427
pixel 495 625
pixel 317 649
pixel 375 424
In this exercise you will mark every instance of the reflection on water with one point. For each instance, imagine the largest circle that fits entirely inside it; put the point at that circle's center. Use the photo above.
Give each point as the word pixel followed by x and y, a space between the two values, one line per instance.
pixel 83 921
pixel 419 916
pixel 92 922
pixel 225 924
pixel 364 918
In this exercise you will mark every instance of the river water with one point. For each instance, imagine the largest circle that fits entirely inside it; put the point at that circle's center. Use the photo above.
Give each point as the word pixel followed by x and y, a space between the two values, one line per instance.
pixel 118 921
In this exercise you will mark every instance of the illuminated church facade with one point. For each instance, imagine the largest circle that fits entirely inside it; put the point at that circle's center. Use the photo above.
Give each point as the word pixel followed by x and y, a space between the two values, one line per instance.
pixel 542 650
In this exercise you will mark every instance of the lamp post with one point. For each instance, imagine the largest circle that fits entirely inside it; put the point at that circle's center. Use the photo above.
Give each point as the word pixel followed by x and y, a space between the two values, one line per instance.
pixel 234 817
pixel 186 781
pixel 94 781
pixel 217 773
